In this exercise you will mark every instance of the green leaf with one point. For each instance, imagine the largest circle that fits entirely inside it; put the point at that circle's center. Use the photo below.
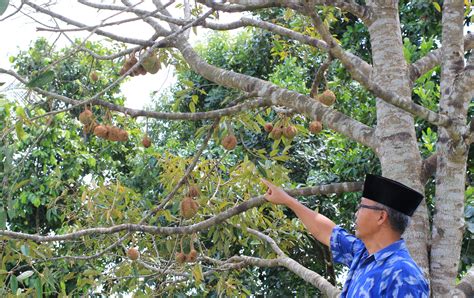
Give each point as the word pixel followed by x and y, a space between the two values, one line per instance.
pixel 192 107
pixel 197 273
pixel 437 7
pixel 21 184
pixel 39 288
pixel 91 162
pixel 13 284
pixel 36 202
pixel 25 275
pixel 41 79
pixel 11 210
pixel 25 249
pixel 3 219
pixel 3 6
pixel 20 133
pixel 188 83
pixel 2 83
pixel 260 120
pixel 20 112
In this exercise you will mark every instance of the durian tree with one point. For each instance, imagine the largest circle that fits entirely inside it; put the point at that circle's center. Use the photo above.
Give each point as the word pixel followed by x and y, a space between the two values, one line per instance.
pixel 142 240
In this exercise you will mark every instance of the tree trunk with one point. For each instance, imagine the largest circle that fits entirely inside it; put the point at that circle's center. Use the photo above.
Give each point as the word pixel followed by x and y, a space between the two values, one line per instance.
pixel 398 150
pixel 448 219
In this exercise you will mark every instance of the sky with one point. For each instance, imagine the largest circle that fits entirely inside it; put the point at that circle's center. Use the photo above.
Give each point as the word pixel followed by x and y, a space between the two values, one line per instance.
pixel 19 31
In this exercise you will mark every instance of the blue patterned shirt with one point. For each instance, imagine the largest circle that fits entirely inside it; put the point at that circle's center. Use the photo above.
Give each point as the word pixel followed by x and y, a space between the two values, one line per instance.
pixel 390 272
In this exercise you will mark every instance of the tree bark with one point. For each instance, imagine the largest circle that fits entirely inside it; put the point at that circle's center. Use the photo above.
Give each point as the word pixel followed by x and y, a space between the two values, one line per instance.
pixel 398 150
pixel 448 219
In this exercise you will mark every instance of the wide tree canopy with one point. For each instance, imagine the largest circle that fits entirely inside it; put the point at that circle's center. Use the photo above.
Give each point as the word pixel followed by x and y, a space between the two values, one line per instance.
pixel 99 198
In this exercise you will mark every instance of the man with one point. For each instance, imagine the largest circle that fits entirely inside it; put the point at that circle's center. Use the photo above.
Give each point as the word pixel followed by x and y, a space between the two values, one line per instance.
pixel 379 262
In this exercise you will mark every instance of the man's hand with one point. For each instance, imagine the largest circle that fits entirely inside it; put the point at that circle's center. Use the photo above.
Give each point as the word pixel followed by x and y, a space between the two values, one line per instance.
pixel 319 225
pixel 276 195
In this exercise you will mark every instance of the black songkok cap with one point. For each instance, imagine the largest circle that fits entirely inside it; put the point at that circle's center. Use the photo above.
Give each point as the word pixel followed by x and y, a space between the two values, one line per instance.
pixel 391 193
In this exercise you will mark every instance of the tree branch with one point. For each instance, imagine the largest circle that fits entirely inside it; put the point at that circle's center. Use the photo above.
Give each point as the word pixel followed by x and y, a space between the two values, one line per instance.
pixel 464 84
pixel 390 97
pixel 81 25
pixel 428 168
pixel 13 13
pixel 149 20
pixel 350 6
pixel 469 137
pixel 282 260
pixel 235 6
pixel 303 272
pixel 251 104
pixel 92 27
pixel 433 59
pixel 279 96
pixel 190 229
pixel 319 76
pixel 310 276
pixel 349 60
pixel 268 239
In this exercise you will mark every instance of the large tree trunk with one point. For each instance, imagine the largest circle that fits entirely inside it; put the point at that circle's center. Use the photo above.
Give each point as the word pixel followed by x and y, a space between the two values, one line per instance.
pixel 448 219
pixel 398 150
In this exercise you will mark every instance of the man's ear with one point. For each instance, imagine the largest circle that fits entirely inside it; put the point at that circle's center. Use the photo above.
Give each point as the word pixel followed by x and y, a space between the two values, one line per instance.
pixel 383 217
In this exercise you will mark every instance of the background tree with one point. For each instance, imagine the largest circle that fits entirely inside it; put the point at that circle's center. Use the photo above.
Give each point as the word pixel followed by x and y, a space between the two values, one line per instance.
pixel 403 93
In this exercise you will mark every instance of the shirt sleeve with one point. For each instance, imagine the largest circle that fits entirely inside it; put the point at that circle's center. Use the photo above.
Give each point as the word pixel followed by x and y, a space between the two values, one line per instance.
pixel 344 246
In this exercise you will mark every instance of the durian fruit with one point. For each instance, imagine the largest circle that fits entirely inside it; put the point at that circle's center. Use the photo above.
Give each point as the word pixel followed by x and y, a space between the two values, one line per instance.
pixel 327 97
pixel 276 133
pixel 152 63
pixel 189 207
pixel 141 70
pixel 86 117
pixel 315 127
pixel 192 256
pixel 229 142
pixel 123 136
pixel 180 258
pixel 133 253
pixel 193 191
pixel 290 132
pixel 268 127
pixel 129 63
pixel 123 70
pixel 94 76
pixel 116 134
pixel 101 131
pixel 89 127
pixel 146 141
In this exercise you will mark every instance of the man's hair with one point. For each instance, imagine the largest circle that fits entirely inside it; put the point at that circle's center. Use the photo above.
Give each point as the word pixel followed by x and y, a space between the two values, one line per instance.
pixel 398 221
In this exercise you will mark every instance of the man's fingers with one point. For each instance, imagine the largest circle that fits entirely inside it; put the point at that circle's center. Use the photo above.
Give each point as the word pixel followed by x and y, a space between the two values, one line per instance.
pixel 265 182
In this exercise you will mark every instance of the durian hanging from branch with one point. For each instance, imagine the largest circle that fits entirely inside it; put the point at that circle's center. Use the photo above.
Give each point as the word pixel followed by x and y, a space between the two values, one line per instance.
pixel 327 97
pixel 229 142
pixel 108 132
pixel 149 64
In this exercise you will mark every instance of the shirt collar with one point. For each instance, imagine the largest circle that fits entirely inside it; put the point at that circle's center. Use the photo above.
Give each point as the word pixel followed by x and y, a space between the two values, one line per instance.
pixel 389 250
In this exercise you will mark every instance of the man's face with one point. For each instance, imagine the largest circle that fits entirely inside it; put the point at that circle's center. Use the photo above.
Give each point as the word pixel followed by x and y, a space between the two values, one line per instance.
pixel 366 218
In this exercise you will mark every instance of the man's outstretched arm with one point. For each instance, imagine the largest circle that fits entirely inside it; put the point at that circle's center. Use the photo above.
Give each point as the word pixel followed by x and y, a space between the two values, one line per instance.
pixel 318 225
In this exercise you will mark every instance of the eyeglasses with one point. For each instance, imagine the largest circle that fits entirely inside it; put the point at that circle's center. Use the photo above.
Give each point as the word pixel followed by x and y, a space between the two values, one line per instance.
pixel 369 207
